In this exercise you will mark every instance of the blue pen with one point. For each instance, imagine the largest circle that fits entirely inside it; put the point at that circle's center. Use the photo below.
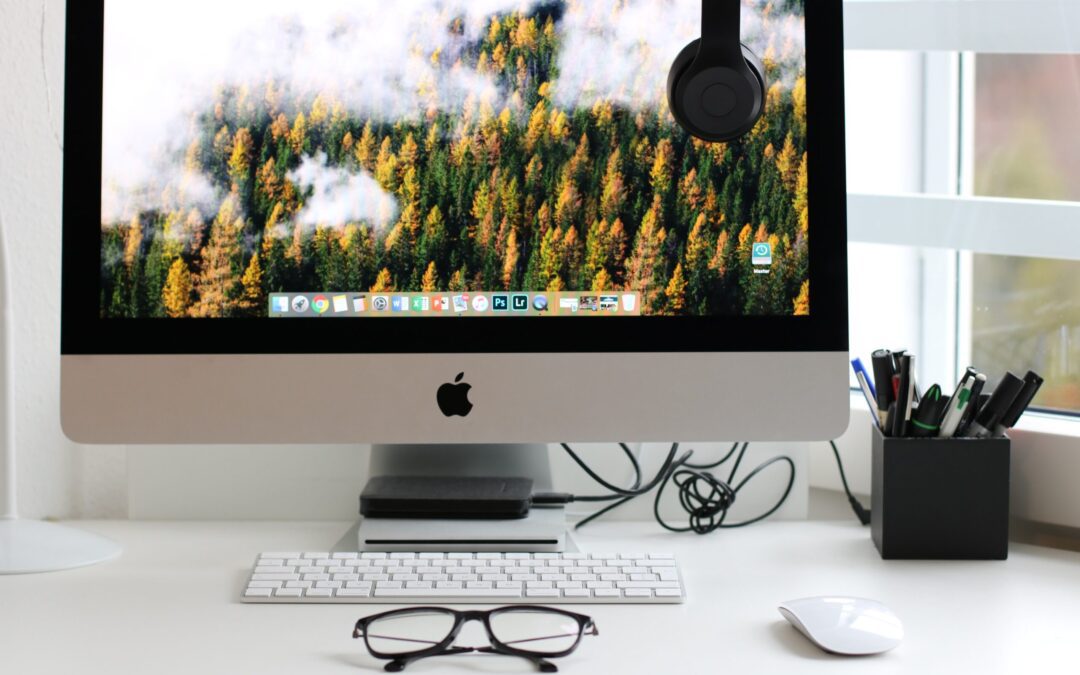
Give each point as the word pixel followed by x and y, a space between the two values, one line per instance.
pixel 859 368
pixel 868 391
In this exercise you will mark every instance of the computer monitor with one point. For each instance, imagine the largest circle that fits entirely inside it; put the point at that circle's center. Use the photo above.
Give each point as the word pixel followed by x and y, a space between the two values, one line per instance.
pixel 446 222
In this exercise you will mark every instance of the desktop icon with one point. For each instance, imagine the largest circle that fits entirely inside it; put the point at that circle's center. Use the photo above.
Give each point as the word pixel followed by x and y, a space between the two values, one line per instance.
pixel 571 305
pixel 281 304
pixel 461 304
pixel 762 255
pixel 481 304
pixel 300 304
pixel 589 303
pixel 540 303
pixel 500 303
pixel 520 303
pixel 341 304
pixel 421 304
pixel 321 304
pixel 400 304
pixel 381 303
pixel 609 303
pixel 629 302
pixel 441 304
pixel 359 305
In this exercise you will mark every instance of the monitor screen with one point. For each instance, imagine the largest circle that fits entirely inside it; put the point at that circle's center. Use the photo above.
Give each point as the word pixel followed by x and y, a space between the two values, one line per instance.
pixel 441 158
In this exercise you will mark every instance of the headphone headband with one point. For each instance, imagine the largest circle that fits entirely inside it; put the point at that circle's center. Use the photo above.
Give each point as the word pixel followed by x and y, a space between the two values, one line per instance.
pixel 721 24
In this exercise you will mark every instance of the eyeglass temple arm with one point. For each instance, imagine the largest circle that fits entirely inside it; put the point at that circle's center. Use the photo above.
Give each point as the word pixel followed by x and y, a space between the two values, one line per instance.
pixel 542 664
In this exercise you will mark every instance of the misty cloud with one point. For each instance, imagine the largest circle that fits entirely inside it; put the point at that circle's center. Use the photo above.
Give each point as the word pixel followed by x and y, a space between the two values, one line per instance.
pixel 622 50
pixel 339 197
pixel 165 61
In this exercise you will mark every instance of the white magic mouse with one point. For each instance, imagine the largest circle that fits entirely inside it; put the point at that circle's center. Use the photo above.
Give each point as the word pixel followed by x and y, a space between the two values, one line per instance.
pixel 846 626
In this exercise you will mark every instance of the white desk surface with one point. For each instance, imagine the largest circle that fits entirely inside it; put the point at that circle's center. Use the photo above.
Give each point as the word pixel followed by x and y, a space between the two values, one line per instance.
pixel 170 605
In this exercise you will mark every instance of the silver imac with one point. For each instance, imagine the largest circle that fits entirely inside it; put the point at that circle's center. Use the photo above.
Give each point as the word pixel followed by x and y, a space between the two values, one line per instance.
pixel 446 223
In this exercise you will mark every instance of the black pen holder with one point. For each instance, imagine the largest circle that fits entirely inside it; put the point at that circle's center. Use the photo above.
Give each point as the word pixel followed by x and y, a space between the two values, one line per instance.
pixel 940 499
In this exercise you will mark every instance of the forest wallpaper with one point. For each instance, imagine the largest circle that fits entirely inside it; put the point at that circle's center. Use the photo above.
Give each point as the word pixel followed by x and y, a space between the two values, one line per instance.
pixel 435 146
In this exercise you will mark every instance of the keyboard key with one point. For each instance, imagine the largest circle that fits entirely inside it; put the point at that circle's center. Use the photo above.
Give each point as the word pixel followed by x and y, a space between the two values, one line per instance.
pixel 319 593
pixel 264 584
pixel 281 556
pixel 344 556
pixel 354 593
pixel 647 584
pixel 638 593
pixel 299 584
pixel 314 556
pixel 275 577
pixel 448 592
pixel 374 556
pixel 607 593
pixel 576 593
pixel 661 556
pixel 418 584
pixel 358 584
pixel 289 593
pixel 668 593
pixel 668 574
pixel 543 593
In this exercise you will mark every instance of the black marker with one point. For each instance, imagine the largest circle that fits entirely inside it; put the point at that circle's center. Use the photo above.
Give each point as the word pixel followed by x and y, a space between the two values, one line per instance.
pixel 883 374
pixel 1032 383
pixel 905 396
pixel 994 411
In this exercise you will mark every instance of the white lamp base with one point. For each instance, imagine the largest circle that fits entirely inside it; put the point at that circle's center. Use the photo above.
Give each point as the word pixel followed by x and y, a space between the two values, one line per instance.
pixel 34 547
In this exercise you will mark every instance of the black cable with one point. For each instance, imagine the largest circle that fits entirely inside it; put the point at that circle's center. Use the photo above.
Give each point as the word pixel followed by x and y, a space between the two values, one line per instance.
pixel 861 512
pixel 705 498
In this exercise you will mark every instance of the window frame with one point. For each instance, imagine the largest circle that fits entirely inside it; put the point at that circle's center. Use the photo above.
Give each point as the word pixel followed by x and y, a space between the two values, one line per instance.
pixel 949 34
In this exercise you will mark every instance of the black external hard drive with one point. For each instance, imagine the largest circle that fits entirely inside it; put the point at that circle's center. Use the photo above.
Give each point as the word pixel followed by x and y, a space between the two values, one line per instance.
pixel 447 498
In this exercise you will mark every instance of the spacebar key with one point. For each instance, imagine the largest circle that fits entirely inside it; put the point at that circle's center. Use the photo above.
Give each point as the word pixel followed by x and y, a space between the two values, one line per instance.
pixel 447 593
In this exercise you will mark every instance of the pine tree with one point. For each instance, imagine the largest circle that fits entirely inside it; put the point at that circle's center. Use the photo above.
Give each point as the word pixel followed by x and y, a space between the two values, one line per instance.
pixel 254 296
pixel 676 292
pixel 430 282
pixel 384 283
pixel 177 293
pixel 802 303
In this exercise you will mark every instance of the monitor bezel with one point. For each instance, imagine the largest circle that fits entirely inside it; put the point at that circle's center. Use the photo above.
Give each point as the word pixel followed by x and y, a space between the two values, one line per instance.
pixel 85 332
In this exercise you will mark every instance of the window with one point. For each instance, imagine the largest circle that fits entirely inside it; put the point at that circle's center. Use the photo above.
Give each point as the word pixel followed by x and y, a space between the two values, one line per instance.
pixel 1026 311
pixel 975 226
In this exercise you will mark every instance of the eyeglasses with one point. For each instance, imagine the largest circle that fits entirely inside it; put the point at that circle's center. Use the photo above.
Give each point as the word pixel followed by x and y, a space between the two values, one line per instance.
pixel 535 633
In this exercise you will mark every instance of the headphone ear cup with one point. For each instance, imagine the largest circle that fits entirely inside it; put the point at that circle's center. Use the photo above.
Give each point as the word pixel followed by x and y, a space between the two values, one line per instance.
pixel 758 87
pixel 678 69
pixel 757 68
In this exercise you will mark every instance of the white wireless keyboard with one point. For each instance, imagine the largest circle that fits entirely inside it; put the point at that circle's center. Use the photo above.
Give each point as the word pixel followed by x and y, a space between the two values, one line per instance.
pixel 461 578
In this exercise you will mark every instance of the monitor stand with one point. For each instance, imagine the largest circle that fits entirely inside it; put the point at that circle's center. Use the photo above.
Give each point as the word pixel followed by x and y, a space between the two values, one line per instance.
pixel 543 531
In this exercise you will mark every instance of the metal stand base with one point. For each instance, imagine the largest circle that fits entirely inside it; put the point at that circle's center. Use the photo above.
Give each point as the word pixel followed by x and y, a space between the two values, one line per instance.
pixel 543 531
pixel 33 547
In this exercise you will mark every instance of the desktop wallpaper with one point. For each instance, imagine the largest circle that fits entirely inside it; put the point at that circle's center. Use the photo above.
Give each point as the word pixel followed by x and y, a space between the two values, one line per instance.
pixel 440 146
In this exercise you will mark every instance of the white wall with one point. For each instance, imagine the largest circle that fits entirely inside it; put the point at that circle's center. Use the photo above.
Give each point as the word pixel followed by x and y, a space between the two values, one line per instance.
pixel 56 478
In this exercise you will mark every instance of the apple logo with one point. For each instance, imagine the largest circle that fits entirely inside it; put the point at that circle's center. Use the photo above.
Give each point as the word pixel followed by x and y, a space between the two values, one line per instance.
pixel 454 398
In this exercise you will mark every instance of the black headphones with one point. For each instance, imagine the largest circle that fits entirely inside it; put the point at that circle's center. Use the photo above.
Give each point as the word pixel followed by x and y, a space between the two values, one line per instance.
pixel 716 89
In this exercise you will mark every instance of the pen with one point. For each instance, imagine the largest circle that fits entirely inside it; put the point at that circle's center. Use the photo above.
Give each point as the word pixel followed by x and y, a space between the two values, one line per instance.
pixel 864 384
pixel 991 414
pixel 882 362
pixel 904 396
pixel 961 401
pixel 867 389
pixel 1032 383
pixel 926 421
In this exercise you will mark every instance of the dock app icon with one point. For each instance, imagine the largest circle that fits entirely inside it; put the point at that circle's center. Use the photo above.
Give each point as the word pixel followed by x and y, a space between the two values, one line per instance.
pixel 762 255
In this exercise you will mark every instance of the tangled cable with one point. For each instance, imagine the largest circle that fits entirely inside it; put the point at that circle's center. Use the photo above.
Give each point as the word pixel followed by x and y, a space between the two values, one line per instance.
pixel 705 498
